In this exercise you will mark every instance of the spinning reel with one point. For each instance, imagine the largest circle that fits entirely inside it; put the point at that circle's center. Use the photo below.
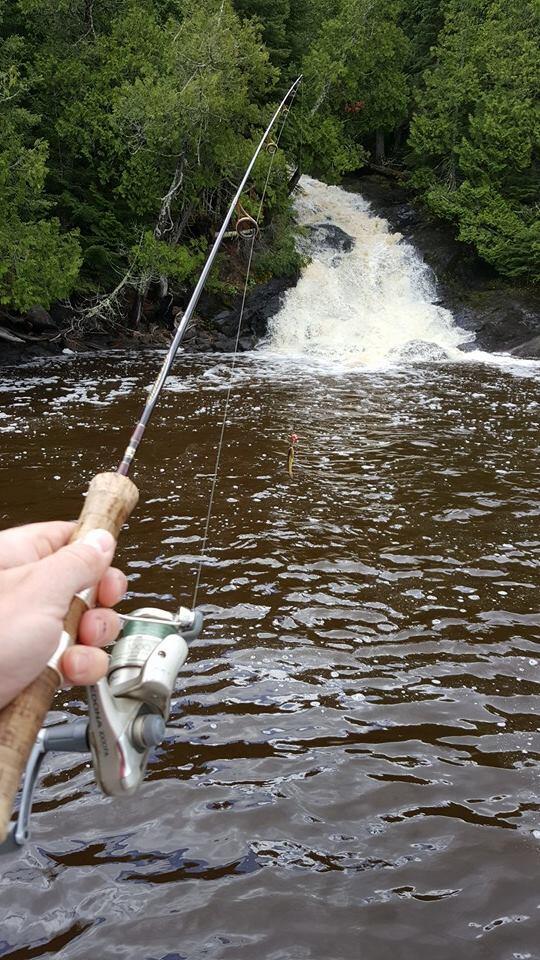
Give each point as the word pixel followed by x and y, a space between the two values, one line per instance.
pixel 127 710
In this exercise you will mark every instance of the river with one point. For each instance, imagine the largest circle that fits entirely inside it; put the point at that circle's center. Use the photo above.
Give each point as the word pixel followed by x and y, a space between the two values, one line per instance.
pixel 354 766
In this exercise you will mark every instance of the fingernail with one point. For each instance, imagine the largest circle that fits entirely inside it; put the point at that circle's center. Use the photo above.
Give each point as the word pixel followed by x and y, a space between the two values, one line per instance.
pixel 121 580
pixel 99 539
pixel 78 662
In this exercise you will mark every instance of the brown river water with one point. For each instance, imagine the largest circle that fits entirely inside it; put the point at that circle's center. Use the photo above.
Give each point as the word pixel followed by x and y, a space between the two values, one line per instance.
pixel 354 769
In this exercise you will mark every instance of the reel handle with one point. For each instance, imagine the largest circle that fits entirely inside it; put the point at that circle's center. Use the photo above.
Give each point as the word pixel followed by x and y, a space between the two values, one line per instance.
pixel 109 502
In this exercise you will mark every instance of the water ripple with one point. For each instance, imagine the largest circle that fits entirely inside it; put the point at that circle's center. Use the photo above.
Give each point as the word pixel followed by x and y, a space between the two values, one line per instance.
pixel 354 747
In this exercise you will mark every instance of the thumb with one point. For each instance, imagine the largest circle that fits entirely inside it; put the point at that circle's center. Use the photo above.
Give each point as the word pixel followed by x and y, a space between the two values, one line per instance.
pixel 81 564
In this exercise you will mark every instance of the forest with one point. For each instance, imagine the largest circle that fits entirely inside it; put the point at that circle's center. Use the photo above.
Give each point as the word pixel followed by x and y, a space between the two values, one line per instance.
pixel 126 125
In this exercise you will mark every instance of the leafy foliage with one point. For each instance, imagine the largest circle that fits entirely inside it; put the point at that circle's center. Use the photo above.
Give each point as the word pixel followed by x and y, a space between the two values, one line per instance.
pixel 38 261
pixel 476 132
pixel 126 124
pixel 139 108
pixel 273 16
pixel 358 57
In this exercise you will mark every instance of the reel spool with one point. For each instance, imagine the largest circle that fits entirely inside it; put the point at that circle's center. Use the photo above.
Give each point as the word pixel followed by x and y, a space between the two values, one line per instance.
pixel 128 711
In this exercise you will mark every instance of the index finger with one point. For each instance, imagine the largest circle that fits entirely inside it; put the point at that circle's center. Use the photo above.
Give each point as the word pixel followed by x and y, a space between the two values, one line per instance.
pixel 33 541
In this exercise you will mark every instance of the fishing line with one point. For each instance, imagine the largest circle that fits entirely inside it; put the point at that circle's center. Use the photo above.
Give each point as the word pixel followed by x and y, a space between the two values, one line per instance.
pixel 301 122
pixel 233 367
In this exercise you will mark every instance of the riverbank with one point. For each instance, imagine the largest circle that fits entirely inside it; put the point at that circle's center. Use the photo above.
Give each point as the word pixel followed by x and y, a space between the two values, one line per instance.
pixel 214 328
pixel 503 317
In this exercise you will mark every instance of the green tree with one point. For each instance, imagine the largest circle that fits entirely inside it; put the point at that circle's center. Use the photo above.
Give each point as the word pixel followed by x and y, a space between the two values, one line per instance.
pixel 273 16
pixel 142 116
pixel 422 21
pixel 39 263
pixel 126 125
pixel 475 134
pixel 356 84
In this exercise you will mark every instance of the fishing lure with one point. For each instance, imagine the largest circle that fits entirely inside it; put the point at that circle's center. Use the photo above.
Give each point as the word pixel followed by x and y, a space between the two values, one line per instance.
pixel 294 438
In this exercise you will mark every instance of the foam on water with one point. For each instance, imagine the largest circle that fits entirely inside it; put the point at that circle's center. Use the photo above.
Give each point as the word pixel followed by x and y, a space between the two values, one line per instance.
pixel 366 306
pixel 362 710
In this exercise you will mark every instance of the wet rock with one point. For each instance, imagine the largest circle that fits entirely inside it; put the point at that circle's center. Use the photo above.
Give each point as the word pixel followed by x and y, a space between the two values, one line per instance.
pixel 502 316
pixel 200 342
pixel 501 319
pixel 262 303
pixel 329 235
pixel 225 322
pixel 529 349
pixel 209 304
pixel 419 350
pixel 223 344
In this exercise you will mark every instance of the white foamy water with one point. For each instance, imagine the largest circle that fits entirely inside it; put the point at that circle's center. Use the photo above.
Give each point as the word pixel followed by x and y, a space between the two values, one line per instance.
pixel 367 305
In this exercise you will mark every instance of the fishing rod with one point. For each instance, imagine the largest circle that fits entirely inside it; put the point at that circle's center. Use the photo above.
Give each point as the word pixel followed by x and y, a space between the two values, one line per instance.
pixel 127 709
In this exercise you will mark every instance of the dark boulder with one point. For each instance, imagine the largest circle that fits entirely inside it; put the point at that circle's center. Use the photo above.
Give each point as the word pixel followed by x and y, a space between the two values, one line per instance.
pixel 263 302
pixel 224 322
pixel 247 343
pixel 503 317
pixel 223 344
pixel 528 350
pixel 200 341
pixel 327 235
pixel 40 319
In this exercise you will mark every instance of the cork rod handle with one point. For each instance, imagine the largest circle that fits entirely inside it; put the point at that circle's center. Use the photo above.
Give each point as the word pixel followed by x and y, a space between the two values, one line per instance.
pixel 109 502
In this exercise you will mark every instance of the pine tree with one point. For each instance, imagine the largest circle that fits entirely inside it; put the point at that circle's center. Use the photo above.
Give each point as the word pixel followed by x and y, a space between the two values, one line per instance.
pixel 273 16
pixel 476 131
pixel 355 82
pixel 39 262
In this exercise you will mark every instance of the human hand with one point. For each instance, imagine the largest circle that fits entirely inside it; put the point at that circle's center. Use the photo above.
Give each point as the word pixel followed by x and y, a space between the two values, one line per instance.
pixel 40 572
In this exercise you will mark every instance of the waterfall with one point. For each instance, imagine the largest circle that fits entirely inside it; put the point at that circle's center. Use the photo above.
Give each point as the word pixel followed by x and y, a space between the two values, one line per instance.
pixel 365 297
